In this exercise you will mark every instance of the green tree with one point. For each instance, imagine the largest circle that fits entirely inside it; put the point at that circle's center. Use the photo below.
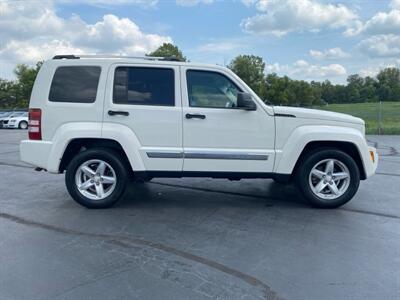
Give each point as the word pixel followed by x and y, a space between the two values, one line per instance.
pixel 250 69
pixel 277 91
pixel 368 90
pixel 25 79
pixel 388 87
pixel 168 50
pixel 8 94
pixel 354 85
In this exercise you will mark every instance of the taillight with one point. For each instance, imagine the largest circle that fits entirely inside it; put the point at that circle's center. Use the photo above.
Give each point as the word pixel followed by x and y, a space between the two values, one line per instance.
pixel 35 126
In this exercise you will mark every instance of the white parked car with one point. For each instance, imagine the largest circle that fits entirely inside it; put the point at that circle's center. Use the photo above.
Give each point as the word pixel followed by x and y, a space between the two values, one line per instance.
pixel 15 120
pixel 102 120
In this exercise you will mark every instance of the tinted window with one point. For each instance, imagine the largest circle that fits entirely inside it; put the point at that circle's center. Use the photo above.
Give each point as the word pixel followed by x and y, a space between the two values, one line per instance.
pixel 75 84
pixel 144 86
pixel 211 89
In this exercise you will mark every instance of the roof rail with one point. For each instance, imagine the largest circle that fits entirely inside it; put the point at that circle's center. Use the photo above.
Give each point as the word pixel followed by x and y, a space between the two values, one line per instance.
pixel 160 58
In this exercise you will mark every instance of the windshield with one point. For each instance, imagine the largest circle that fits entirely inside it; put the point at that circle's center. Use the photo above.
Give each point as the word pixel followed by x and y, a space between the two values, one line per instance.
pixel 17 114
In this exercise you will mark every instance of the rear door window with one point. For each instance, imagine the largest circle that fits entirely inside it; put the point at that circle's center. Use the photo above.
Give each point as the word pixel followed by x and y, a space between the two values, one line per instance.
pixel 144 86
pixel 77 84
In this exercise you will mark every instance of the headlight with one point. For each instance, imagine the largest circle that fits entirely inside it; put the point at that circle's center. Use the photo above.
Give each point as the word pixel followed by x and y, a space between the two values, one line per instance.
pixel 12 121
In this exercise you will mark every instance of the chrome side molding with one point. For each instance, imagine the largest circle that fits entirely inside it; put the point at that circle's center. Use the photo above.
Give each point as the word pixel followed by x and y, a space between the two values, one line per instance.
pixel 208 155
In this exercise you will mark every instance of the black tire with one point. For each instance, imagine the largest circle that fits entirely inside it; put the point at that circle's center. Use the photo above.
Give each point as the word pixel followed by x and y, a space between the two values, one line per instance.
pixel 307 164
pixel 23 125
pixel 107 155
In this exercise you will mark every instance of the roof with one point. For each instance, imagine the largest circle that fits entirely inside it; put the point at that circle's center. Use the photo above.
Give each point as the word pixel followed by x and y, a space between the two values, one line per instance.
pixel 73 56
pixel 147 59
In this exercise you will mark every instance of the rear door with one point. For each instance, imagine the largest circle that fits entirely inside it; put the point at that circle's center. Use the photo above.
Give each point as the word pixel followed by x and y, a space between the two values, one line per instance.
pixel 147 99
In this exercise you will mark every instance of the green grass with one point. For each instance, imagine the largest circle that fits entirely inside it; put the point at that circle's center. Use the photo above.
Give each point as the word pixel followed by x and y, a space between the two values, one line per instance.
pixel 369 112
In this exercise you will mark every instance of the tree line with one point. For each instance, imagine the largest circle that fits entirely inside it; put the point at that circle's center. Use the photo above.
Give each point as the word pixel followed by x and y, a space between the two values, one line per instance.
pixel 282 90
pixel 278 90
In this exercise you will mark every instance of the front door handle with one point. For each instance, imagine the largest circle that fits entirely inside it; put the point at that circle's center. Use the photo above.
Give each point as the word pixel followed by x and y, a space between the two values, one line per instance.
pixel 117 112
pixel 195 116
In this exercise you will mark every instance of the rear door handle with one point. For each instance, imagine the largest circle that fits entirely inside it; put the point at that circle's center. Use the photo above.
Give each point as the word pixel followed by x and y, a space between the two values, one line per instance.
pixel 195 116
pixel 117 112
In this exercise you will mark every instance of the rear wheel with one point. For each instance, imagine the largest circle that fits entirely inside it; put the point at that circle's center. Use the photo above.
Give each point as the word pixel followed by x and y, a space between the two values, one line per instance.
pixel 96 178
pixel 328 178
pixel 23 125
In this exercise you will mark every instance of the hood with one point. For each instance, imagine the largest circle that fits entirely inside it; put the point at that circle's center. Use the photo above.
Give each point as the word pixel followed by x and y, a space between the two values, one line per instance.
pixel 308 113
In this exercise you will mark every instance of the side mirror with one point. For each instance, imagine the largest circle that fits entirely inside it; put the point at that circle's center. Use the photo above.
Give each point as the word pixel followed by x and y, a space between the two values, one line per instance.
pixel 244 101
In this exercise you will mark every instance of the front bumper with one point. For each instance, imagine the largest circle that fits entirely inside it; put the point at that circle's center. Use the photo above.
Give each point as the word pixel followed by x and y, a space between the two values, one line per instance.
pixel 371 161
pixel 10 125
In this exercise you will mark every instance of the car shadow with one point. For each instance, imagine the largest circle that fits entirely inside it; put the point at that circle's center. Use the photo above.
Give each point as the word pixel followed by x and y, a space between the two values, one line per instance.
pixel 186 193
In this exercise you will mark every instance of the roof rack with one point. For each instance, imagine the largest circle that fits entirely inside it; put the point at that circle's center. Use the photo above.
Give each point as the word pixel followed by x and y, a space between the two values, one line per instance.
pixel 72 56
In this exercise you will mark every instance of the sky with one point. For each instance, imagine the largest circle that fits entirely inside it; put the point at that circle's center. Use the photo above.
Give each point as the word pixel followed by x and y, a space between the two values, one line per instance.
pixel 304 39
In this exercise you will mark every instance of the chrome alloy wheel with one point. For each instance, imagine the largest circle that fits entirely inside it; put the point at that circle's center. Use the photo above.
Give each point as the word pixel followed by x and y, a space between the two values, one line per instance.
pixel 329 179
pixel 95 179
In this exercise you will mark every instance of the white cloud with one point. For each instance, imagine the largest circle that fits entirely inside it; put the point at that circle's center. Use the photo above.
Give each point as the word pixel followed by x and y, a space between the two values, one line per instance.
pixel 301 69
pixel 193 2
pixel 31 32
pixel 395 4
pixel 380 23
pixel 280 17
pixel 26 52
pixel 333 53
pixel 372 71
pixel 383 23
pixel 381 46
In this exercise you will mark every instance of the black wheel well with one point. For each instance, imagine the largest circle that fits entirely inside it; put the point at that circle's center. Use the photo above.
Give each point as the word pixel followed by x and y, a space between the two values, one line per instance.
pixel 347 147
pixel 81 144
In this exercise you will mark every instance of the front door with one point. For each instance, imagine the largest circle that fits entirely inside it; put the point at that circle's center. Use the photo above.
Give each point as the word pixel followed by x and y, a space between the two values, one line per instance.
pixel 147 100
pixel 218 136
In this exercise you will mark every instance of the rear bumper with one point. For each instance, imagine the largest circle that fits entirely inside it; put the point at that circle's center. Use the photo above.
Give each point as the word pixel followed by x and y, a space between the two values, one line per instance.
pixel 36 153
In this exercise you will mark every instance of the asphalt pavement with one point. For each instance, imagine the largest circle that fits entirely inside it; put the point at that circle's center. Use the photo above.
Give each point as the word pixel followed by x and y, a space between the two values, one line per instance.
pixel 197 238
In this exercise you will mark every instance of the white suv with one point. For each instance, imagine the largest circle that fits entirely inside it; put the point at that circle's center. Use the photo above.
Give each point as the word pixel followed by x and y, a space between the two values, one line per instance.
pixel 104 120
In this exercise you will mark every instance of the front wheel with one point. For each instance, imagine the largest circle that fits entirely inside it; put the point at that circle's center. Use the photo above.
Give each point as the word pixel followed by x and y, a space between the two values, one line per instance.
pixel 96 178
pixel 328 178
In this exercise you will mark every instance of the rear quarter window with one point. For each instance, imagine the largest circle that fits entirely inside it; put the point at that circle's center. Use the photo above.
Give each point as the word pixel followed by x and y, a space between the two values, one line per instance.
pixel 76 84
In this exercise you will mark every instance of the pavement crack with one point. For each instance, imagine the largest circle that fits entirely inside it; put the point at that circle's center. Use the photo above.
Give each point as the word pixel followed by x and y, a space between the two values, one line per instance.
pixel 127 241
pixel 15 165
pixel 387 174
pixel 366 212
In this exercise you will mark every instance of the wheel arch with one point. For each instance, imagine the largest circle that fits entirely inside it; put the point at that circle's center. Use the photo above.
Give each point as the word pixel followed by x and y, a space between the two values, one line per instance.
pixel 347 147
pixel 309 137
pixel 81 144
